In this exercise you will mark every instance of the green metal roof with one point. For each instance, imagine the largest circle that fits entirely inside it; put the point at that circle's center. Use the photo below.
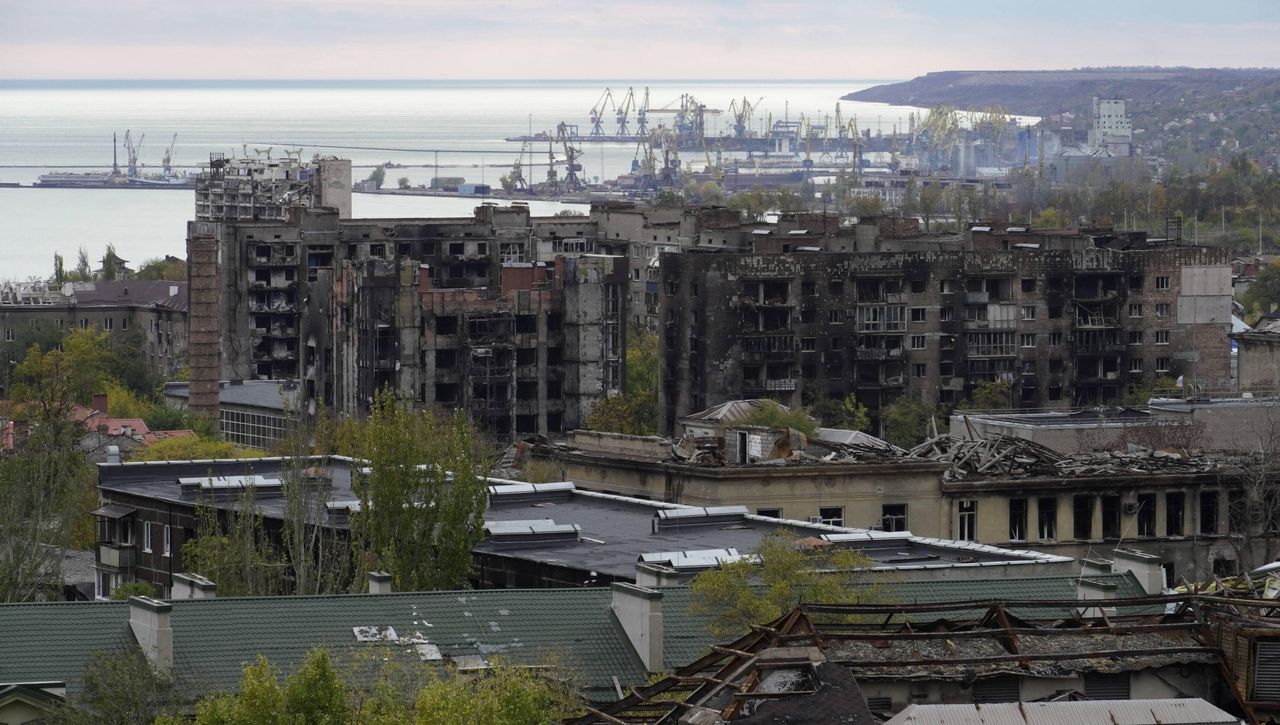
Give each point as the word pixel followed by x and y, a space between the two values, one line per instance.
pixel 214 638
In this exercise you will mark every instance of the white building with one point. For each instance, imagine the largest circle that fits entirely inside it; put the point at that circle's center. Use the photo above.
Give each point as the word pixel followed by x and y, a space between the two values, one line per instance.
pixel 1112 131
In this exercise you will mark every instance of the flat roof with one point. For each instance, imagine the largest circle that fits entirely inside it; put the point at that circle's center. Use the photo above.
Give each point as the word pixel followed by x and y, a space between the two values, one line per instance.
pixel 613 532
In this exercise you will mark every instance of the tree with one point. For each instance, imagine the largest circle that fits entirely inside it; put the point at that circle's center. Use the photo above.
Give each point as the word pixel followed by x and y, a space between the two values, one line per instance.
pixel 122 592
pixel 421 503
pixel 112 264
pixel 782 573
pixel 569 213
pixel 190 448
pixel 906 421
pixel 867 206
pixel 753 204
pixel 846 413
pixel 84 272
pixel 635 410
pixel 991 395
pixel 403 182
pixel 59 270
pixel 772 415
pixel 79 369
pixel 668 199
pixel 378 176
pixel 1050 218
pixel 233 549
pixel 506 695
pixel 120 688
pixel 167 268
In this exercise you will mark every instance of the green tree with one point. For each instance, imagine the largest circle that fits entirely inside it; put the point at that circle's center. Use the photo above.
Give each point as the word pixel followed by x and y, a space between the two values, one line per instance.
pixel 313 694
pixel 846 413
pixel 84 272
pixel 992 395
pixel 233 549
pixel 378 176
pixel 782 573
pixel 403 182
pixel 505 695
pixel 167 268
pixel 112 265
pixel 423 499
pixel 906 421
pixel 1050 218
pixel 59 270
pixel 120 688
pixel 772 415
pixel 753 204
pixel 635 410
pixel 668 199
pixel 569 213
pixel 122 592
pixel 79 369
pixel 867 206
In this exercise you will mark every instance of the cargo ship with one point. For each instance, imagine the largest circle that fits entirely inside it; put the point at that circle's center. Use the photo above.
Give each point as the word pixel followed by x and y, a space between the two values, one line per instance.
pixel 130 179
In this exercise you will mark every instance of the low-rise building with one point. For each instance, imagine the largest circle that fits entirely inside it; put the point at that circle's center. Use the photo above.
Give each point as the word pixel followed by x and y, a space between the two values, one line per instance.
pixel 251 413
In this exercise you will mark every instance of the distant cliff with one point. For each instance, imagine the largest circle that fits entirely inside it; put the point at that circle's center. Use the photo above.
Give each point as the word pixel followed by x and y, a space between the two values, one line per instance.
pixel 1040 93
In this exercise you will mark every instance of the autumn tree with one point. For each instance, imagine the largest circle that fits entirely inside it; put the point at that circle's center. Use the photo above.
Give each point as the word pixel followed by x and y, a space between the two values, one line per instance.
pixel 991 395
pixel 846 413
pixel 232 548
pixel 783 572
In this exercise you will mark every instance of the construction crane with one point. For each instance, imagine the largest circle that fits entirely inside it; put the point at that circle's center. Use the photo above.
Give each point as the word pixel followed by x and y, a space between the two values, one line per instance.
pixel 571 166
pixel 644 165
pixel 623 110
pixel 842 140
pixel 598 111
pixel 667 141
pixel 168 157
pixel 939 133
pixel 132 150
pixel 804 132
pixel 855 138
pixel 825 154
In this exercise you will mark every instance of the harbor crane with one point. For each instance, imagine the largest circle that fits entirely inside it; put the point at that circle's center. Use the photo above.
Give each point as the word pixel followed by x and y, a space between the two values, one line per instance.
pixel 842 137
pixel 623 110
pixel 517 180
pixel 551 186
pixel 642 116
pixel 132 150
pixel 742 113
pixel 571 166
pixel 168 157
pixel 597 112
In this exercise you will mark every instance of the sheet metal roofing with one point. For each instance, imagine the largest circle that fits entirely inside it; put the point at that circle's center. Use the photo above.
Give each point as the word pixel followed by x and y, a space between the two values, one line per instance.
pixel 269 394
pixel 1114 712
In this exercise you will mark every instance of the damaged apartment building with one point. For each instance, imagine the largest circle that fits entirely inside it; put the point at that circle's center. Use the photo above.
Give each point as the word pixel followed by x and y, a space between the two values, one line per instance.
pixel 510 318
pixel 1062 327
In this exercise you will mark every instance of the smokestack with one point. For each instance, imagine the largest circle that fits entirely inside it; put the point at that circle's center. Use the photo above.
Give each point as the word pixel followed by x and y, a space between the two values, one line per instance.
pixel 100 402
pixel 149 620
pixel 204 350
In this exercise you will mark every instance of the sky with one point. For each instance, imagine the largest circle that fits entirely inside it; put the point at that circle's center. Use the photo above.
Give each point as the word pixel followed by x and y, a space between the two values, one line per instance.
pixel 618 39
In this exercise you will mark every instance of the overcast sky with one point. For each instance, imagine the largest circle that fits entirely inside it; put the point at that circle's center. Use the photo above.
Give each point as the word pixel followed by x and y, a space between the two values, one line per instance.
pixel 619 39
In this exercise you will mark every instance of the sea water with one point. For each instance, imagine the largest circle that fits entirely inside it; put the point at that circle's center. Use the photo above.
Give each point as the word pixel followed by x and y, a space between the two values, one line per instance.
pixel 436 128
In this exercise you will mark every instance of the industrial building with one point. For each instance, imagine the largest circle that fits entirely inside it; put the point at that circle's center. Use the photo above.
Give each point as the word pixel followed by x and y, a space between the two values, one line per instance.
pixel 242 189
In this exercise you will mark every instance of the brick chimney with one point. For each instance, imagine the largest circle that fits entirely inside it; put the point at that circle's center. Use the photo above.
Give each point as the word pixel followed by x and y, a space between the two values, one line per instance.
pixel 204 344
pixel 100 402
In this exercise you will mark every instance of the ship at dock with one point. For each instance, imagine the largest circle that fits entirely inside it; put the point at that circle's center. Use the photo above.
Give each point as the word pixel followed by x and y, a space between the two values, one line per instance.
pixel 130 178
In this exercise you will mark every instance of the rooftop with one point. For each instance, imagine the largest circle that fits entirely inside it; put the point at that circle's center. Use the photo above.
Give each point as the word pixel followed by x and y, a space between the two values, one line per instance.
pixel 612 534
pixel 137 292
pixel 270 394
pixel 1117 712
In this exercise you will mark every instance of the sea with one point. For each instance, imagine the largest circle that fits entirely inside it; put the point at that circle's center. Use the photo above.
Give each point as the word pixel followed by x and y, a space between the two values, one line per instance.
pixel 429 128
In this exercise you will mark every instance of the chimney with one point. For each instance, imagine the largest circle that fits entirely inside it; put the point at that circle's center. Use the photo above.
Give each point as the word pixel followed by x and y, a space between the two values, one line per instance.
pixel 204 341
pixel 149 620
pixel 1096 589
pixel 1146 568
pixel 380 583
pixel 639 611
pixel 100 402
pixel 193 586
pixel 113 454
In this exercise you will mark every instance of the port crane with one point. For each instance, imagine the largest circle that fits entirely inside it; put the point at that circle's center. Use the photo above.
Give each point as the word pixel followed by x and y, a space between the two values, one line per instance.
pixel 132 150
pixel 168 157
pixel 571 166
pixel 598 111
pixel 517 169
pixel 551 186
pixel 623 110
pixel 742 116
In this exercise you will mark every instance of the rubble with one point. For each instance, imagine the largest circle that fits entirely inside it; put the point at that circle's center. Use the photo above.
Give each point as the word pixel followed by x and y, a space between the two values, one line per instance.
pixel 1013 457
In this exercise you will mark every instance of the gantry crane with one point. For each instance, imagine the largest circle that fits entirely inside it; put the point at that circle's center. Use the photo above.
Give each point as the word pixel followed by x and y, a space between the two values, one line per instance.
pixel 551 186
pixel 742 113
pixel 642 116
pixel 842 139
pixel 644 165
pixel 132 150
pixel 598 111
pixel 516 178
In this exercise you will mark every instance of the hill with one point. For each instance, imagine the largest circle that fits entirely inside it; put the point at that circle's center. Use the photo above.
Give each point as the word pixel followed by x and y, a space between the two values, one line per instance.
pixel 1041 93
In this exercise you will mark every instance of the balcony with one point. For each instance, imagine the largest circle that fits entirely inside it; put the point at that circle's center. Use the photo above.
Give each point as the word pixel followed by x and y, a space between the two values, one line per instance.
pixel 780 384
pixel 977 298
pixel 877 353
pixel 117 556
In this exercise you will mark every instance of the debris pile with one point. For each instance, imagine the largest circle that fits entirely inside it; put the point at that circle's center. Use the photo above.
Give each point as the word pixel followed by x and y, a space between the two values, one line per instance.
pixel 1013 457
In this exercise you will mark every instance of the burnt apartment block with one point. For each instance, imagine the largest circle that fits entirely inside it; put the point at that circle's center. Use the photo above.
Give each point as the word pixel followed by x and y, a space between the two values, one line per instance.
pixel 512 318
pixel 1064 328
